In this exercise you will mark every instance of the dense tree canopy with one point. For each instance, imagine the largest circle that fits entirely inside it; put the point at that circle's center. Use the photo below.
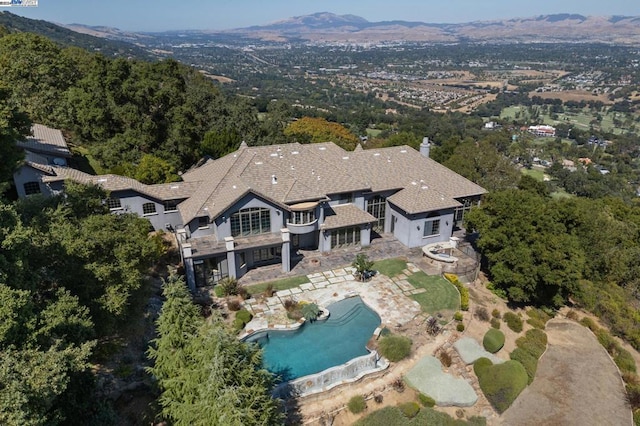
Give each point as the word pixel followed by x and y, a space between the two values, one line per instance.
pixel 206 375
pixel 529 252
pixel 309 129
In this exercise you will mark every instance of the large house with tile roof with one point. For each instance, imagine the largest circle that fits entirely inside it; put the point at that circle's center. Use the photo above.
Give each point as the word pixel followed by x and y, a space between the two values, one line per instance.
pixel 263 205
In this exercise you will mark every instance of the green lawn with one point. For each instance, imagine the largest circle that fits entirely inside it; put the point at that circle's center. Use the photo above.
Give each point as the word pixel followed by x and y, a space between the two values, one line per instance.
pixel 278 285
pixel 537 174
pixel 373 132
pixel 440 296
pixel 390 267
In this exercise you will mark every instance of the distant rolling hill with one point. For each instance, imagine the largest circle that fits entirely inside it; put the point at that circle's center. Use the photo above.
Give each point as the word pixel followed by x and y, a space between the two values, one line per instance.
pixel 547 28
pixel 67 37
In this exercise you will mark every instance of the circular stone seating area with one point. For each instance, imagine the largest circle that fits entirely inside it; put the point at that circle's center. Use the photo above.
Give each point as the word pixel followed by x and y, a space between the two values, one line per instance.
pixel 440 252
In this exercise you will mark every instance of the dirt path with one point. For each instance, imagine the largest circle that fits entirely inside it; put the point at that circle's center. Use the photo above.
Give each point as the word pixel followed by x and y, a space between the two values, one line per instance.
pixel 576 383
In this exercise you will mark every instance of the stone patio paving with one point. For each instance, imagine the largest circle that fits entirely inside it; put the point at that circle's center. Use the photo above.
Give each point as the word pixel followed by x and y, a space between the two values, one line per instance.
pixel 389 297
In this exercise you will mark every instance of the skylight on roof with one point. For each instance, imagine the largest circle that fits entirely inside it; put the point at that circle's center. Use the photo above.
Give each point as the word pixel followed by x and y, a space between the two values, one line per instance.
pixel 175 186
pixel 377 154
pixel 102 180
pixel 275 154
pixel 257 163
pixel 403 151
pixel 345 158
pixel 295 152
pixel 322 148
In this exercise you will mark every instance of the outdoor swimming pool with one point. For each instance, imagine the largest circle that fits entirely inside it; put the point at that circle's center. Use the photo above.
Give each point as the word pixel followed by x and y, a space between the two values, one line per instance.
pixel 319 345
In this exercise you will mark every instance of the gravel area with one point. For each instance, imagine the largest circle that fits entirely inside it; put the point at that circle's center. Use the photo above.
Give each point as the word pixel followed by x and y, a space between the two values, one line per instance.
pixel 576 383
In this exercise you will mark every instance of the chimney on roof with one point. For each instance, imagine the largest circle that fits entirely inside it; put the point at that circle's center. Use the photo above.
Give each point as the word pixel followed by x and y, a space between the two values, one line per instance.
pixel 425 147
pixel 243 145
pixel 274 179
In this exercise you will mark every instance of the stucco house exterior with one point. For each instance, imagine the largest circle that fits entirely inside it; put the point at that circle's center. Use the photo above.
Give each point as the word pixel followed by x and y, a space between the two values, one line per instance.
pixel 262 205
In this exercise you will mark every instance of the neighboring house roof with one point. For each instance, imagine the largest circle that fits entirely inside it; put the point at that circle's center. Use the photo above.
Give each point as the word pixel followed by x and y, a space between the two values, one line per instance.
pixel 165 191
pixel 345 215
pixel 46 140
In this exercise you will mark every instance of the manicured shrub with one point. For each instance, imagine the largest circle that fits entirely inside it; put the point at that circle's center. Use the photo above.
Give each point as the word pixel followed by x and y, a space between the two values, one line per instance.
pixel 426 401
pixel 501 383
pixel 242 318
pixel 528 361
pixel 378 398
pixel 493 340
pixel 514 322
pixel 496 314
pixel 460 327
pixel 534 342
pixel 244 315
pixel 482 314
pixel 538 318
pixel 409 409
pixel 464 291
pixel 458 316
pixel 495 323
pixel 357 404
pixel 395 348
pixel 238 324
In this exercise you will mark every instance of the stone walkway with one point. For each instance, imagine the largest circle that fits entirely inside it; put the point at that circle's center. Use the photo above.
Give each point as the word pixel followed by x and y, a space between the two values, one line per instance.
pixel 389 297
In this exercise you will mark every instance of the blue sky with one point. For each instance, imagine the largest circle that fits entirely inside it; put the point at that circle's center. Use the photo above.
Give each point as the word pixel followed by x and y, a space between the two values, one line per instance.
pixel 159 15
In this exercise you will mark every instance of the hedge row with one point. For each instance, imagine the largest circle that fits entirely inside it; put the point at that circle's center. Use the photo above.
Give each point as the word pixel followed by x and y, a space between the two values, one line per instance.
pixel 530 348
pixel 514 322
pixel 464 291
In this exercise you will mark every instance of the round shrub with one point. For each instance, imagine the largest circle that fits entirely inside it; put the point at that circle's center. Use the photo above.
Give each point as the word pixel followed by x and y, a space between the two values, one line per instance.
pixel 238 324
pixel 495 323
pixel 395 348
pixel 244 315
pixel 460 327
pixel 409 409
pixel 493 340
pixel 514 322
pixel 426 400
pixel 457 316
pixel 496 313
pixel 357 404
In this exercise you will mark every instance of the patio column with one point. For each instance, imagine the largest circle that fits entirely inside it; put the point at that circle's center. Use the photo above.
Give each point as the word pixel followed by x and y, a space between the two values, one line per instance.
pixel 231 256
pixel 286 250
pixel 187 256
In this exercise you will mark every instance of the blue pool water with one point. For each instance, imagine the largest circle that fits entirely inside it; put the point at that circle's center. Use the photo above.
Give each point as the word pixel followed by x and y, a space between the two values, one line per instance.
pixel 319 345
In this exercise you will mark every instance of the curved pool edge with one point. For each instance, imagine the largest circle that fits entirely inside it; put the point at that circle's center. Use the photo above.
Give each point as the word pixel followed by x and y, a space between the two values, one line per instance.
pixel 296 325
pixel 314 383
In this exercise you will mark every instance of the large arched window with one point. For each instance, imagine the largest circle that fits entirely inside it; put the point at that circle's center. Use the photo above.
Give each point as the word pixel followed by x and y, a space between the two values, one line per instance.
pixel 251 221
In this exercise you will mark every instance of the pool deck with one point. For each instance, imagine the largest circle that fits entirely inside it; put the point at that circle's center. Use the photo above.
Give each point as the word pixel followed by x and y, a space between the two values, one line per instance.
pixel 389 297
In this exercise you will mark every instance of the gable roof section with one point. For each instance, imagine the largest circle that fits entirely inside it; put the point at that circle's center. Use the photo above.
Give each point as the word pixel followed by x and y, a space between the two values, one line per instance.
pixel 282 174
pixel 162 192
pixel 46 140
pixel 346 215
pixel 418 198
